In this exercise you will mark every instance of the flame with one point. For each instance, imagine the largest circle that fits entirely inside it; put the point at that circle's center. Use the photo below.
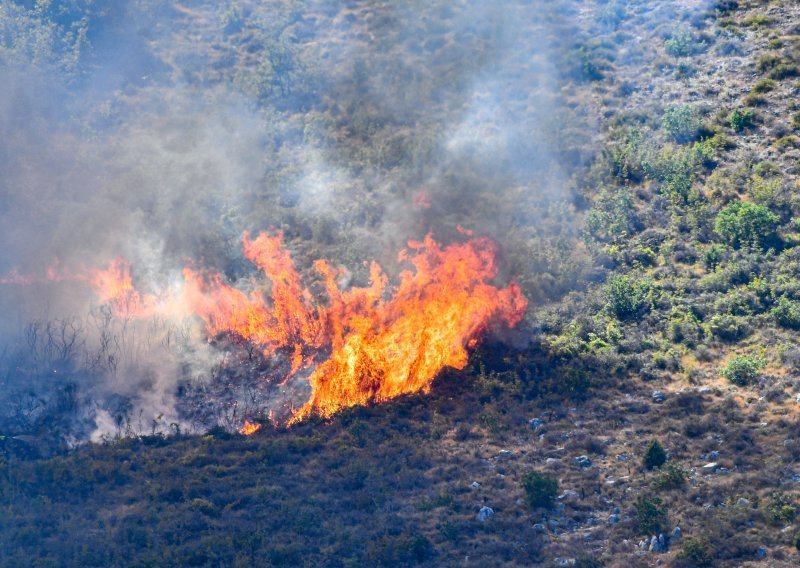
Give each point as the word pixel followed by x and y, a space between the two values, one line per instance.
pixel 249 428
pixel 381 343
pixel 364 344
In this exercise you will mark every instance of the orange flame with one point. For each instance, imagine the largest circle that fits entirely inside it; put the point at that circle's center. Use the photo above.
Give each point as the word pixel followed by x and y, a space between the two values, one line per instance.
pixel 380 347
pixel 375 342
pixel 249 428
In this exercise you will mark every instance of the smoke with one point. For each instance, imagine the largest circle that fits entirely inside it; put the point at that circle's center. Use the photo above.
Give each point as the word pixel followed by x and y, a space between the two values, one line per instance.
pixel 160 133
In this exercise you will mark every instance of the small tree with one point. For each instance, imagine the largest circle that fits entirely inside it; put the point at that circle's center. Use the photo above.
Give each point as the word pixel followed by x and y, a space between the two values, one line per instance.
pixel 540 489
pixel 627 297
pixel 743 223
pixel 651 514
pixel 743 369
pixel 654 455
pixel 682 123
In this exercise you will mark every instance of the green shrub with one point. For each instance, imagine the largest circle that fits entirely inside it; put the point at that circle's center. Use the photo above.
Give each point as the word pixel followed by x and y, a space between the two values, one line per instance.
pixel 768 61
pixel 728 327
pixel 741 119
pixel 796 121
pixel 613 216
pixel 780 509
pixel 787 142
pixel 784 71
pixel 743 223
pixel 765 86
pixel 787 313
pixel 540 489
pixel 755 99
pixel 651 514
pixel 797 541
pixel 654 455
pixel 696 551
pixel 743 370
pixel 627 298
pixel 712 256
pixel 682 123
pixel 670 477
pixel 682 43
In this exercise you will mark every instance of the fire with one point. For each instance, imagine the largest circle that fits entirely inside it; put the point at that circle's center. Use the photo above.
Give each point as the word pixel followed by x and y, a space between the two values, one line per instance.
pixel 380 343
pixel 249 428
pixel 362 345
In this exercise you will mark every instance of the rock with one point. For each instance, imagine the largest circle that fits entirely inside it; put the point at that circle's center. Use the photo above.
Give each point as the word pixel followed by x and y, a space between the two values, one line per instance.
pixel 714 455
pixel 553 524
pixel 658 396
pixel 622 457
pixel 761 552
pixel 552 460
pixel 539 527
pixel 583 461
pixel 743 503
pixel 519 502
pixel 676 534
pixel 613 519
pixel 568 494
pixel 485 513
pixel 505 455
pixel 475 485
pixel 658 544
pixel 797 399
pixel 536 423
pixel 564 562
pixel 710 467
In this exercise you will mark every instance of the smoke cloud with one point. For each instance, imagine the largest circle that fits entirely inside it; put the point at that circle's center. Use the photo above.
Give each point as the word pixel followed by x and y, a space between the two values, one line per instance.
pixel 160 133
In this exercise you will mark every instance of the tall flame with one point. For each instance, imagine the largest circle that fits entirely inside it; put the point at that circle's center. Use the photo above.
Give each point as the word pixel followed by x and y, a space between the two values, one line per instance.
pixel 381 344
pixel 363 345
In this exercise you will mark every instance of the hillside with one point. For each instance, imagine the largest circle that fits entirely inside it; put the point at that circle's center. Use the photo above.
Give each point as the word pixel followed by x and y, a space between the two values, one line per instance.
pixel 636 165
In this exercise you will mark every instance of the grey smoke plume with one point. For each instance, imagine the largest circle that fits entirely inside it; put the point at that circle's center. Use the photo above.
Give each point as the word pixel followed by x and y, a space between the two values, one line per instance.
pixel 160 132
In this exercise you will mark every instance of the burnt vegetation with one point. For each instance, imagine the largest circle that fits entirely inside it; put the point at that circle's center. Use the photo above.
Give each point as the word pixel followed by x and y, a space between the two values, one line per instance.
pixel 642 182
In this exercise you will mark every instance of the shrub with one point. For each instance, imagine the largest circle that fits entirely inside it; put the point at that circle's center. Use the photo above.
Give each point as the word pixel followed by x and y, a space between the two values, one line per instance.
pixel 540 489
pixel 682 123
pixel 787 313
pixel 741 119
pixel 651 514
pixel 670 477
pixel 728 327
pixel 742 223
pixel 696 551
pixel 682 43
pixel 654 455
pixel 797 541
pixel 626 297
pixel 784 71
pixel 768 61
pixel 743 370
pixel 613 217
pixel 780 508
pixel 765 86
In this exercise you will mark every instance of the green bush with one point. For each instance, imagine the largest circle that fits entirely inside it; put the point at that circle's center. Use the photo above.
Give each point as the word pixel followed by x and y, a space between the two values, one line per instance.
pixel 728 327
pixel 540 489
pixel 743 223
pixel 613 217
pixel 768 61
pixel 787 313
pixel 784 71
pixel 765 86
pixel 797 541
pixel 780 509
pixel 682 43
pixel 743 370
pixel 741 119
pixel 651 514
pixel 682 123
pixel 627 298
pixel 654 455
pixel 670 477
pixel 696 551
